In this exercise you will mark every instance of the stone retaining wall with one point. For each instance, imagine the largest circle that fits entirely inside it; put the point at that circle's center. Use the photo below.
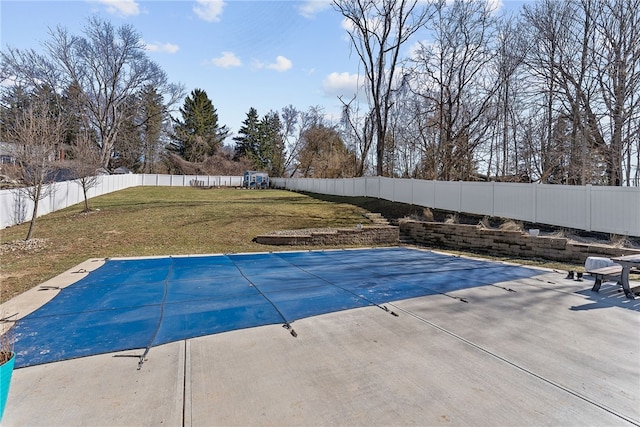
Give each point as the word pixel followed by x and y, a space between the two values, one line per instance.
pixel 384 235
pixel 505 243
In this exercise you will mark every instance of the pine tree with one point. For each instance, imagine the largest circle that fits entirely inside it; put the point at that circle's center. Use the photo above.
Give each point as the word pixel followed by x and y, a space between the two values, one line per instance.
pixel 153 114
pixel 198 135
pixel 127 150
pixel 248 137
pixel 139 143
pixel 261 142
pixel 271 145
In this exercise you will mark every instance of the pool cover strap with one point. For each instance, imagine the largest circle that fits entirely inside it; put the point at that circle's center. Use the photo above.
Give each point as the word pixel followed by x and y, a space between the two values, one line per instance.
pixel 347 290
pixel 287 324
pixel 162 307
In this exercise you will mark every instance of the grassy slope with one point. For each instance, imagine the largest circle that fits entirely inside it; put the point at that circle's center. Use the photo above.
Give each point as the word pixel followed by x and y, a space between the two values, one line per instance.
pixel 146 221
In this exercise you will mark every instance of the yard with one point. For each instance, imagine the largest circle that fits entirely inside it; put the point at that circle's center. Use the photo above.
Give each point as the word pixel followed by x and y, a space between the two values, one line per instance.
pixel 147 221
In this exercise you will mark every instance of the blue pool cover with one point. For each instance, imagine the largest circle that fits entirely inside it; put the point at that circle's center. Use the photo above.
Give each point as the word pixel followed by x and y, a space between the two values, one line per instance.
pixel 138 304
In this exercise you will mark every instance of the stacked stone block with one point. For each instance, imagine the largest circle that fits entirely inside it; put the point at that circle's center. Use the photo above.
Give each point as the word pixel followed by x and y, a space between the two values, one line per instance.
pixel 382 235
pixel 505 243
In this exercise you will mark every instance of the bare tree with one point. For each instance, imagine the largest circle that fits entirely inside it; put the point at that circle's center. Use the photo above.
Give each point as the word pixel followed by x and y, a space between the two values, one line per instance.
pixel 509 58
pixel 291 121
pixel 453 74
pixel 587 53
pixel 546 26
pixel 294 124
pixel 402 157
pixel 378 29
pixel 106 66
pixel 358 132
pixel 37 133
pixel 618 73
pixel 85 164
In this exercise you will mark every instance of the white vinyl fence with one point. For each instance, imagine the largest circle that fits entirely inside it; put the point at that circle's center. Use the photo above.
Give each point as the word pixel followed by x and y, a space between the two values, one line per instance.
pixel 16 208
pixel 591 208
pixel 604 209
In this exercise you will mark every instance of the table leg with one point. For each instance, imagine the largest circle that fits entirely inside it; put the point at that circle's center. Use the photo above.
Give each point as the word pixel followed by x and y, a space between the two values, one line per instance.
pixel 625 282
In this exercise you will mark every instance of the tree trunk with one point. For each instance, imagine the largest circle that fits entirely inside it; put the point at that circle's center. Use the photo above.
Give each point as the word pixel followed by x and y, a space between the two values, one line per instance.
pixel 32 224
pixel 86 200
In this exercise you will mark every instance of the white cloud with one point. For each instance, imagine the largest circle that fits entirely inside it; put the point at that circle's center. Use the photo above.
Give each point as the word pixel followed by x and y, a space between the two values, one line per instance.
pixel 9 81
pixel 374 23
pixel 161 47
pixel 227 60
pixel 337 84
pixel 418 49
pixel 347 24
pixel 281 64
pixel 495 5
pixel 310 8
pixel 122 7
pixel 209 10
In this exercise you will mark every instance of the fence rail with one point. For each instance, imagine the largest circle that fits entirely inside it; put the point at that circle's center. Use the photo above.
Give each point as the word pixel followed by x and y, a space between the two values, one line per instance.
pixel 613 210
pixel 592 208
pixel 16 207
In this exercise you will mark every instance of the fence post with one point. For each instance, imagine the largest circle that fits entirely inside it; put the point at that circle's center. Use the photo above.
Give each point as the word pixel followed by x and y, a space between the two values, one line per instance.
pixel 412 196
pixel 435 192
pixel 51 198
pixel 493 198
pixel 588 207
pixel 535 202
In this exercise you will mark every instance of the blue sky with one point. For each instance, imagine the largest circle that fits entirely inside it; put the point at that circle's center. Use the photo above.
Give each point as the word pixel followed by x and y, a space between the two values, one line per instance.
pixel 261 54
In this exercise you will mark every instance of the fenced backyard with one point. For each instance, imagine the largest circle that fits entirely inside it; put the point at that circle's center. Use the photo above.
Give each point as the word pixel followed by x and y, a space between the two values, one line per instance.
pixel 614 210
pixel 16 208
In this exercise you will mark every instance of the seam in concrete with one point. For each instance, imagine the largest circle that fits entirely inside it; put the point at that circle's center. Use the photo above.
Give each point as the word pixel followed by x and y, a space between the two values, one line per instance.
pixel 186 389
pixel 520 368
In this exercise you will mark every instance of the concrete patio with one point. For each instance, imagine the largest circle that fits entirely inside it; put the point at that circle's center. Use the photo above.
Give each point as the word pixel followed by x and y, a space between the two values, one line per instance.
pixel 536 351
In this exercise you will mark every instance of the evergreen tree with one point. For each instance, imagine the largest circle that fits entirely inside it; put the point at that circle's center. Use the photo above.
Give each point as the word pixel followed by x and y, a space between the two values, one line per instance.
pixel 127 149
pixel 261 142
pixel 152 115
pixel 76 116
pixel 271 145
pixel 198 135
pixel 248 137
pixel 14 100
pixel 138 146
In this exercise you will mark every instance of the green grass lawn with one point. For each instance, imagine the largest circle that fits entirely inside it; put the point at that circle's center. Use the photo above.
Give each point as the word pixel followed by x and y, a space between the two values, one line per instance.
pixel 145 221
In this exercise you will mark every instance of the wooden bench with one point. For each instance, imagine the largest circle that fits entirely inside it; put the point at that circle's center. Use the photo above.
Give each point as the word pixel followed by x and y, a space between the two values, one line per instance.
pixel 613 272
